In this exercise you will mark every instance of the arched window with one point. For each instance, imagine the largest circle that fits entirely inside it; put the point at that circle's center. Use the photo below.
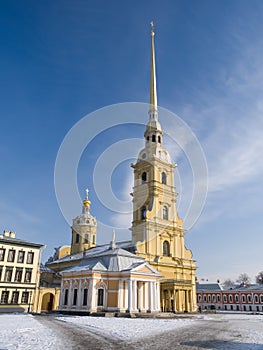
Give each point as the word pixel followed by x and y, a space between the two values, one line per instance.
pixel 148 138
pixel 144 177
pixel 77 238
pixel 164 178
pixel 86 239
pixel 159 139
pixel 256 299
pixel 165 212
pixel 166 248
pixel 153 138
pixel 100 296
pixel 143 213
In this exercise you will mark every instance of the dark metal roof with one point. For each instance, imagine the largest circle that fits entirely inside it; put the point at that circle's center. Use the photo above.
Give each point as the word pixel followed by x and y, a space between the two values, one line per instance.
pixel 20 242
pixel 204 287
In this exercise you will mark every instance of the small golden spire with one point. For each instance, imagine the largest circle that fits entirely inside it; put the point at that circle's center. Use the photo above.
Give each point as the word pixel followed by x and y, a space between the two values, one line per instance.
pixel 153 92
pixel 86 201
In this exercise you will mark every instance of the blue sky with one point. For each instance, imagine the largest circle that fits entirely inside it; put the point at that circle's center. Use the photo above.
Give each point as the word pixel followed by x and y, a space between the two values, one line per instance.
pixel 61 60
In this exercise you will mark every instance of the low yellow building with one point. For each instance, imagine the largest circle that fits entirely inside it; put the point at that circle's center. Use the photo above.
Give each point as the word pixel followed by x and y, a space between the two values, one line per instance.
pixel 110 279
pixel 19 273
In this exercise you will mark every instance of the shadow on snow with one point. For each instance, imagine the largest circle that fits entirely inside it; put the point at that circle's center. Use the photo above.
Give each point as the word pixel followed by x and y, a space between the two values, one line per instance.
pixel 223 344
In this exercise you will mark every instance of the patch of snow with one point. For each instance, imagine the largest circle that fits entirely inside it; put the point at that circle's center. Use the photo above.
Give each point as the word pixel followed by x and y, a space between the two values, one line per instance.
pixel 23 331
pixel 128 328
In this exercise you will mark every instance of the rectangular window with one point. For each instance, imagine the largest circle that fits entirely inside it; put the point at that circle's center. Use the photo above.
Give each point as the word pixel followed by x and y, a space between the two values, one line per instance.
pixel 93 239
pixel 100 296
pixel 11 255
pixel 4 297
pixel 28 275
pixel 24 299
pixel 2 254
pixel 1 270
pixel 86 239
pixel 30 258
pixel 8 274
pixel 85 296
pixel 21 256
pixel 66 297
pixel 75 296
pixel 15 296
pixel 18 275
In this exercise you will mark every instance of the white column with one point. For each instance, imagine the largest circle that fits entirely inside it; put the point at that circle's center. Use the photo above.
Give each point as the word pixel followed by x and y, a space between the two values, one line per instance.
pixel 70 294
pixel 158 296
pixel 61 297
pixel 135 308
pixel 125 292
pixel 140 296
pixel 129 295
pixel 146 295
pixel 120 296
pixel 93 295
pixel 154 295
pixel 150 296
pixel 79 299
pixel 89 295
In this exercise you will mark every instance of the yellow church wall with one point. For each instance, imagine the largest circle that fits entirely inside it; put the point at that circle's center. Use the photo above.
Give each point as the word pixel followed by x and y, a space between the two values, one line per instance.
pixel 112 299
pixel 113 284
pixel 63 251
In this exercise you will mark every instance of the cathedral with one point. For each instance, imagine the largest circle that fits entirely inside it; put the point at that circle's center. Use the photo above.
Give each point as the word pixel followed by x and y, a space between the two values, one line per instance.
pixel 153 271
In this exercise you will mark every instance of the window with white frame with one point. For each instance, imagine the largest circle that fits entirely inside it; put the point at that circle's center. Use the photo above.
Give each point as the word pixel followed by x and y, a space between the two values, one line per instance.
pixel 30 258
pixel 236 298
pixel 249 298
pixel 4 297
pixel 243 298
pixel 20 256
pixel 2 254
pixel 11 255
pixel 24 298
pixel 15 296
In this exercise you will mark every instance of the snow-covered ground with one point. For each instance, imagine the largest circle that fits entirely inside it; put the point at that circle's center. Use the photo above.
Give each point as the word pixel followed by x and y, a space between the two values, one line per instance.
pixel 128 328
pixel 24 331
pixel 248 328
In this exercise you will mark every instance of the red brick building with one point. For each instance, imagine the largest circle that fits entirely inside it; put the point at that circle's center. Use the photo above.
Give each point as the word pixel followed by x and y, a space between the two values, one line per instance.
pixel 211 296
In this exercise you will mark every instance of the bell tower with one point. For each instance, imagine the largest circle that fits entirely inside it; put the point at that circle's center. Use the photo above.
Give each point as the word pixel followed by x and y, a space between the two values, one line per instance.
pixel 157 231
pixel 84 229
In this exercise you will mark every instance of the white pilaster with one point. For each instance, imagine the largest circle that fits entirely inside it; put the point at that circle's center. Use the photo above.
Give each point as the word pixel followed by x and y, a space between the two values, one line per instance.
pixel 135 308
pixel 120 296
pixel 79 299
pixel 129 294
pixel 70 294
pixel 158 296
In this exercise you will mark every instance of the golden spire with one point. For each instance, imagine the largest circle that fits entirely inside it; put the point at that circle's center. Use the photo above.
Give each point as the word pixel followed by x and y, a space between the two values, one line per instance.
pixel 153 92
pixel 86 202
